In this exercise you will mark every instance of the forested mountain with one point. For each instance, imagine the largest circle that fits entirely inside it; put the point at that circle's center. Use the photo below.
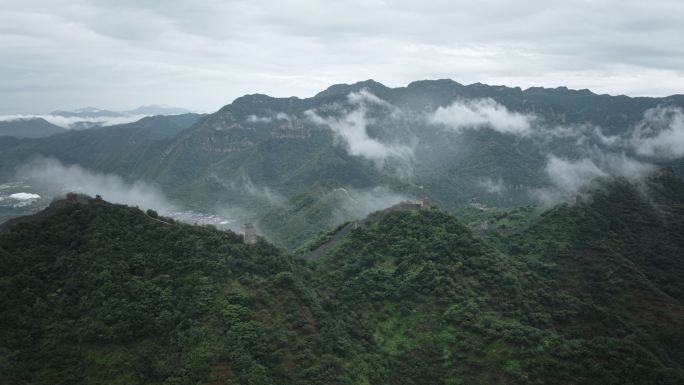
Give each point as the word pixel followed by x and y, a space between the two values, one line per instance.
pixel 29 128
pixel 123 149
pixel 587 292
pixel 261 157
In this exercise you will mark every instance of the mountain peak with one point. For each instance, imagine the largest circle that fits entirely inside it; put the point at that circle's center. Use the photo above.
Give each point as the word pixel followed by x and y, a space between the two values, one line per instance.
pixel 434 83
pixel 344 89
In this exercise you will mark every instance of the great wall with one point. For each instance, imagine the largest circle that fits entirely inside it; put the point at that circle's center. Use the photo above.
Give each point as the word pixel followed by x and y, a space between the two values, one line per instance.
pixel 373 218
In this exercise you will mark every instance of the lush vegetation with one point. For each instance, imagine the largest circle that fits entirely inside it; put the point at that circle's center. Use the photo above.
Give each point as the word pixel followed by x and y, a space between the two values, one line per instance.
pixel 98 293
pixel 582 293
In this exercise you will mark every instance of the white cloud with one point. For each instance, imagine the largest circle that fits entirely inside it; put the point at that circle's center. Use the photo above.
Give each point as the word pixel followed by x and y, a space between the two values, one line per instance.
pixel 478 113
pixel 24 196
pixel 365 97
pixel 22 199
pixel 69 122
pixel 267 119
pixel 605 139
pixel 245 186
pixel 259 119
pixel 625 166
pixel 492 186
pixel 351 129
pixel 353 203
pixel 660 133
pixel 51 175
pixel 569 177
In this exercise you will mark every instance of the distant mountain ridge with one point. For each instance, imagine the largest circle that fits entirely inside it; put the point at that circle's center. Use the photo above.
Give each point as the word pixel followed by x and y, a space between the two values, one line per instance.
pixel 38 126
pixel 149 110
pixel 29 128
pixel 261 156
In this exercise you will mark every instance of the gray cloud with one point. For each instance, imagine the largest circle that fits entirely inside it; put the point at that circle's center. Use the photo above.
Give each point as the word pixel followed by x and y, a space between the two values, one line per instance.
pixel 69 53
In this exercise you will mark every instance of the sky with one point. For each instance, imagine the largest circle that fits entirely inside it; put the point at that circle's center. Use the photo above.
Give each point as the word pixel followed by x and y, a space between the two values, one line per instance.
pixel 200 55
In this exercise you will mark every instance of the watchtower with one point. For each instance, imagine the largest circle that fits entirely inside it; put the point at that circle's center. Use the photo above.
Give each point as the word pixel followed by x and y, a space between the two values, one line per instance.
pixel 249 233
pixel 424 202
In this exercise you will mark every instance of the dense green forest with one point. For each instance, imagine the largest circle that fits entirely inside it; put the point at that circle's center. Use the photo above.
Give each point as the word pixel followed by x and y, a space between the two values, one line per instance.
pixel 98 293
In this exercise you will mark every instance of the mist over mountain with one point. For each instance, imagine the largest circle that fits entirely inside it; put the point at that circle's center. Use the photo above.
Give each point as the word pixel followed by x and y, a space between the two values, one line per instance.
pixel 260 156
pixel 92 112
pixel 78 119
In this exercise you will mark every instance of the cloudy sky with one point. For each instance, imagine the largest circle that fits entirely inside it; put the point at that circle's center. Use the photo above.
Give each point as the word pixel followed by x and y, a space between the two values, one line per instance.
pixel 118 54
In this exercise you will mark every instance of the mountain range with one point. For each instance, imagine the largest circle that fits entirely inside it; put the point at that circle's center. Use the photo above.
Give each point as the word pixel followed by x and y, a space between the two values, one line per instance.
pixel 29 128
pixel 39 126
pixel 297 167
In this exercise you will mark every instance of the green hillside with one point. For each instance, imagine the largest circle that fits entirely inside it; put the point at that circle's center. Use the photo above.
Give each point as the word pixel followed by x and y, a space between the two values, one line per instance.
pixel 107 294
pixel 582 293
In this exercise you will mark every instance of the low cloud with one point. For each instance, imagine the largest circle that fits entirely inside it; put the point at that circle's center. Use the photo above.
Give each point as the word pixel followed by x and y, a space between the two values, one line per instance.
pixel 604 139
pixel 366 97
pixel 243 185
pixel 480 113
pixel 351 128
pixel 75 121
pixel 569 177
pixel 53 177
pixel 258 119
pixel 358 203
pixel 265 194
pixel 492 186
pixel 660 133
pixel 267 119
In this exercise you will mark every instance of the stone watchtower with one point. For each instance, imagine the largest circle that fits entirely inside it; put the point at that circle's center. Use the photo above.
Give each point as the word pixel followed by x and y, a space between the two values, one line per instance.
pixel 249 233
pixel 424 203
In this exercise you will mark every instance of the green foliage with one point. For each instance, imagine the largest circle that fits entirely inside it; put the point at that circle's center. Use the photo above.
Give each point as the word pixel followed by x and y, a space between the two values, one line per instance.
pixel 98 293
pixel 584 293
